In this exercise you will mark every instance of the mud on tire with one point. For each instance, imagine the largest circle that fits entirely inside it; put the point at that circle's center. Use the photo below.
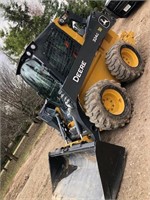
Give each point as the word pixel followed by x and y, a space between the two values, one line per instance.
pixel 95 107
pixel 124 62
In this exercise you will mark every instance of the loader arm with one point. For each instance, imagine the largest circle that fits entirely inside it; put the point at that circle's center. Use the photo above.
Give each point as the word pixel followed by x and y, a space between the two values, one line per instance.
pixel 99 25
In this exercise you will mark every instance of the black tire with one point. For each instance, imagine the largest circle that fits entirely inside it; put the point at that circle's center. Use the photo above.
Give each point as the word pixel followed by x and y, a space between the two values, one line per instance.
pixel 119 68
pixel 96 111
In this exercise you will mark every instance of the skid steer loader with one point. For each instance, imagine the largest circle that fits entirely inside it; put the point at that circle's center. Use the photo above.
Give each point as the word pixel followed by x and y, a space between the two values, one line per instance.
pixel 78 71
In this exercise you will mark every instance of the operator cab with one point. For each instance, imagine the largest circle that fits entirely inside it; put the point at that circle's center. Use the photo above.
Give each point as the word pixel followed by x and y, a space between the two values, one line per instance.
pixel 47 61
pixel 53 50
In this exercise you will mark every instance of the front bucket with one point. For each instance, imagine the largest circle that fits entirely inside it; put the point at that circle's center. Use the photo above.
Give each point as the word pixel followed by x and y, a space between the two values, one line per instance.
pixel 91 171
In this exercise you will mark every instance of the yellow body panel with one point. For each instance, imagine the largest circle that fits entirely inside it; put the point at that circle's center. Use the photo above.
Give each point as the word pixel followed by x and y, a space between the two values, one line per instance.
pixel 128 37
pixel 98 70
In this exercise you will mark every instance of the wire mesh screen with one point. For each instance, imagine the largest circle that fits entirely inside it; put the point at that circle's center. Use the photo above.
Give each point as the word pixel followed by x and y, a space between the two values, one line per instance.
pixel 60 51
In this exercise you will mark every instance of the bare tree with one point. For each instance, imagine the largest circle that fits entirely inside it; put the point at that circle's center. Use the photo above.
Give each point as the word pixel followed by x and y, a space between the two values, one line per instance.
pixel 19 105
pixel 17 95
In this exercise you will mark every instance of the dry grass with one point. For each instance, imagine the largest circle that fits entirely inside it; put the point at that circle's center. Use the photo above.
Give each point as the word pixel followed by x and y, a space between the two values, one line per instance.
pixel 23 153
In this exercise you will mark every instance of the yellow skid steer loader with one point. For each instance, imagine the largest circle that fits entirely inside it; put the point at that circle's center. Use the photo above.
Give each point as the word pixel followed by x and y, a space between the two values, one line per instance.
pixel 78 71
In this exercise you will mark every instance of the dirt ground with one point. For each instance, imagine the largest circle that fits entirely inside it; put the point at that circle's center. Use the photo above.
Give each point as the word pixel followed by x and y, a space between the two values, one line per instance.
pixel 32 182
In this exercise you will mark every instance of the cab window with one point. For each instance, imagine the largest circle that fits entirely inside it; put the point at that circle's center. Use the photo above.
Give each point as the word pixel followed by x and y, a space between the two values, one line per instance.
pixel 36 75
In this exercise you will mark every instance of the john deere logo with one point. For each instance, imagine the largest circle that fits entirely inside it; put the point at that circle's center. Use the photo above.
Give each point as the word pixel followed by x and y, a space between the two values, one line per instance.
pixel 104 21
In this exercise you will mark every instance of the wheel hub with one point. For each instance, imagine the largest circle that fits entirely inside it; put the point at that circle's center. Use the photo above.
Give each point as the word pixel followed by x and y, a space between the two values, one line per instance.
pixel 129 57
pixel 113 101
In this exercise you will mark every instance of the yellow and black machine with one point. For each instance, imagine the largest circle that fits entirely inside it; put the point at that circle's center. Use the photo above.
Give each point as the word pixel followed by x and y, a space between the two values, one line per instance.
pixel 79 71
